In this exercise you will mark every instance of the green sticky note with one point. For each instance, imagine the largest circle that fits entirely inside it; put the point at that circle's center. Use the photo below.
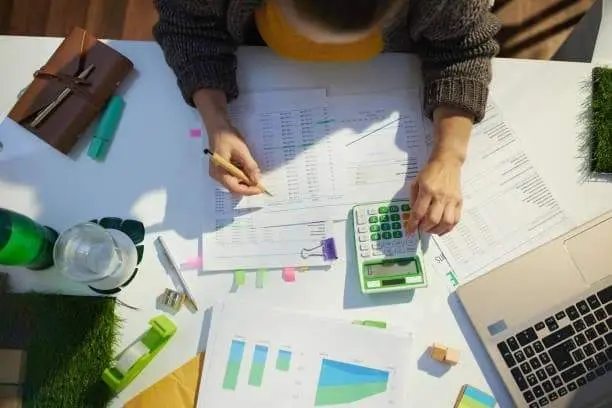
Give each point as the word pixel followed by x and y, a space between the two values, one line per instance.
pixel 371 323
pixel 260 278
pixel 239 277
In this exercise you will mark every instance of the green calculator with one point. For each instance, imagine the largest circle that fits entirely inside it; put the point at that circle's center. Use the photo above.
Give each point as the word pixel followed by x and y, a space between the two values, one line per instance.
pixel 388 258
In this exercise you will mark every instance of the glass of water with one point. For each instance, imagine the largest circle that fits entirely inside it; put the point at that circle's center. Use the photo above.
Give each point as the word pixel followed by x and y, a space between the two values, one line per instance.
pixel 88 253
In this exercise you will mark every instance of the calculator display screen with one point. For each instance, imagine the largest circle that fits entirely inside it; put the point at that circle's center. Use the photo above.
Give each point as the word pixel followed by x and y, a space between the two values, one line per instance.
pixel 390 268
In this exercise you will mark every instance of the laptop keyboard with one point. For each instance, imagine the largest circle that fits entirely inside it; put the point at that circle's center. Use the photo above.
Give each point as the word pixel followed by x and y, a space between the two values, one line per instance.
pixel 564 352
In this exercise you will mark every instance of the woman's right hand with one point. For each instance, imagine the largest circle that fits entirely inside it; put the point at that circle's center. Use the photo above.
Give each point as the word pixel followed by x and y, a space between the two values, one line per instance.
pixel 228 144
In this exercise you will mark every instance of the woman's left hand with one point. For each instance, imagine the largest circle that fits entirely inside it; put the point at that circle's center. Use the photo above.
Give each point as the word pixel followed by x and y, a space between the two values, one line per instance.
pixel 435 195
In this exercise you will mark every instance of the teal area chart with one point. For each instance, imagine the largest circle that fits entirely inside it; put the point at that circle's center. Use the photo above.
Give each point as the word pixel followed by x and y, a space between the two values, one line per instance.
pixel 345 383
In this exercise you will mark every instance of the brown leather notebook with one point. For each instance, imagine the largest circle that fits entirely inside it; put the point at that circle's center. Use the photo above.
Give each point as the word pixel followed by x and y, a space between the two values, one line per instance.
pixel 87 72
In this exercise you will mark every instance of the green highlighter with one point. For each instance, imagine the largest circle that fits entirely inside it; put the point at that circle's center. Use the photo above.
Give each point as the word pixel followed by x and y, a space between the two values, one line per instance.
pixel 106 128
pixel 130 362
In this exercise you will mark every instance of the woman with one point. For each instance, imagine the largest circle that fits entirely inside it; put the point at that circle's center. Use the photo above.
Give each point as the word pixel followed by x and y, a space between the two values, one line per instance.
pixel 454 39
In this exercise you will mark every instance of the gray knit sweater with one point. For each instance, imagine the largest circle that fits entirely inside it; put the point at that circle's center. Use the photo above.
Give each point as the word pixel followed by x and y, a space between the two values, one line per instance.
pixel 454 39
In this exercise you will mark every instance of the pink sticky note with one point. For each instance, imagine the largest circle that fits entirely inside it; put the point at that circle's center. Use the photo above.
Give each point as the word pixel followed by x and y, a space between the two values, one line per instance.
pixel 195 133
pixel 193 263
pixel 289 275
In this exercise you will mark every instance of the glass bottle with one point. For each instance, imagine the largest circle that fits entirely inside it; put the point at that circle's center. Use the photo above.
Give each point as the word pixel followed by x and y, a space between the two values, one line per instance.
pixel 24 242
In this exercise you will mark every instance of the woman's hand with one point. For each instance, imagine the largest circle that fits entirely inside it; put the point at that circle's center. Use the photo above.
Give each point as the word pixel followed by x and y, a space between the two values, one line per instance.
pixel 227 142
pixel 435 194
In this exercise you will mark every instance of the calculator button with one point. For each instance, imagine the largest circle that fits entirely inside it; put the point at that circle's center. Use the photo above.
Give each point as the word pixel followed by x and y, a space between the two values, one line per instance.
pixel 363 238
pixel 385 227
pixel 386 235
pixel 375 237
pixel 393 208
pixel 375 245
pixel 365 254
pixel 383 210
pixel 377 253
pixel 373 284
pixel 397 234
pixel 372 211
pixel 383 218
pixel 405 216
pixel 360 220
pixel 360 213
pixel 364 247
pixel 405 207
pixel 374 228
pixel 362 228
pixel 395 217
pixel 373 219
pixel 396 225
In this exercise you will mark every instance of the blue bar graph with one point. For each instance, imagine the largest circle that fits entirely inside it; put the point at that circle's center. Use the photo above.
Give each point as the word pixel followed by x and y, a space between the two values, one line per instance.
pixel 260 355
pixel 233 365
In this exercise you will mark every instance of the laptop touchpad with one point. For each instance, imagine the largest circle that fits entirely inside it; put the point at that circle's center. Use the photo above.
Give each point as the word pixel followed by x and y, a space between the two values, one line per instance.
pixel 591 251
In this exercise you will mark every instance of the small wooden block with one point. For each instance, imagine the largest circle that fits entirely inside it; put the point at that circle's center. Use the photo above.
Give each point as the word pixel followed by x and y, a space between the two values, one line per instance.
pixel 10 396
pixel 13 367
pixel 452 356
pixel 438 352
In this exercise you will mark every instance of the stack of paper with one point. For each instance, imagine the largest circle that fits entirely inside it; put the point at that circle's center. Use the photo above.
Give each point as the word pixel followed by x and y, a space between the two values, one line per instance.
pixel 322 155
pixel 319 157
pixel 260 357
pixel 508 208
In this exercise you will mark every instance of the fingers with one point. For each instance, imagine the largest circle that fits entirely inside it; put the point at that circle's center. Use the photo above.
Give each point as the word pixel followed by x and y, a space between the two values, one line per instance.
pixel 432 214
pixel 242 155
pixel 233 149
pixel 448 220
pixel 234 185
pixel 421 200
pixel 433 217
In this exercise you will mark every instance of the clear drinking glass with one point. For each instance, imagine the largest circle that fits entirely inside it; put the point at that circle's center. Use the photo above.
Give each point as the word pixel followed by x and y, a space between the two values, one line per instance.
pixel 88 253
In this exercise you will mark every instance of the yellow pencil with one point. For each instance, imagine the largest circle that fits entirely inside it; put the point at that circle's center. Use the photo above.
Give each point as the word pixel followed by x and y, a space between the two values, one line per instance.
pixel 233 170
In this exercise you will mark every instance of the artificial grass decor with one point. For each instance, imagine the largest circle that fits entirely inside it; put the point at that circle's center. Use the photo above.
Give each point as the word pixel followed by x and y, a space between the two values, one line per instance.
pixel 600 126
pixel 69 342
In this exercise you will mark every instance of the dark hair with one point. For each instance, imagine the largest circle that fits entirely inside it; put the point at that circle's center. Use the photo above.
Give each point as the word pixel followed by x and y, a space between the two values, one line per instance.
pixel 344 15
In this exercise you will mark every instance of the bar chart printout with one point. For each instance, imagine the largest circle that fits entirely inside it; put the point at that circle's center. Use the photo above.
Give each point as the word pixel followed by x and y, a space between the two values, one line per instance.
pixel 345 383
pixel 283 360
pixel 233 365
pixel 258 365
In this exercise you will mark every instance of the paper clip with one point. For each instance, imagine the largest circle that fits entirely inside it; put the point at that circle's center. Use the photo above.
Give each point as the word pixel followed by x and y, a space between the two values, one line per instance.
pixel 328 250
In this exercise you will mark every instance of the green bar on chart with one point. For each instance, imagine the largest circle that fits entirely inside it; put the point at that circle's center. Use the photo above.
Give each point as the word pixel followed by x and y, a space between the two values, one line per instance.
pixel 258 365
pixel 233 365
pixel 283 360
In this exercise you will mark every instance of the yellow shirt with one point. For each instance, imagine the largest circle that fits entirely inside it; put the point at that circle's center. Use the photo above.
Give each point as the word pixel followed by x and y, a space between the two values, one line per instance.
pixel 288 43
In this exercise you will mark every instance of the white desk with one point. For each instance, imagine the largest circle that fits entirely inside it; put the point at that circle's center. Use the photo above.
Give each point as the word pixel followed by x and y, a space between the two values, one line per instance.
pixel 154 172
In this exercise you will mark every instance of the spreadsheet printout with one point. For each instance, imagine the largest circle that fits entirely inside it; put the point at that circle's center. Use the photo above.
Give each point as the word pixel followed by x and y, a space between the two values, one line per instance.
pixel 229 228
pixel 374 145
pixel 508 208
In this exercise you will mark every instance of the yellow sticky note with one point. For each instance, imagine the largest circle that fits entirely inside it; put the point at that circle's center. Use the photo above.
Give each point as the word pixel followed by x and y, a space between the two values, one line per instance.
pixel 177 390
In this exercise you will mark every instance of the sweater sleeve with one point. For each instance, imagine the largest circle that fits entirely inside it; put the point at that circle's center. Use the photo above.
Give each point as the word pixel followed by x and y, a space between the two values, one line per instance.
pixel 455 39
pixel 197 45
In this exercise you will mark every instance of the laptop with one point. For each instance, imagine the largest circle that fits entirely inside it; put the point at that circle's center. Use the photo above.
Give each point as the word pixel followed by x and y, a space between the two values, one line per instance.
pixel 545 320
